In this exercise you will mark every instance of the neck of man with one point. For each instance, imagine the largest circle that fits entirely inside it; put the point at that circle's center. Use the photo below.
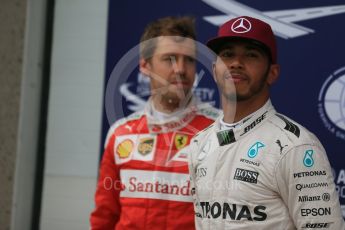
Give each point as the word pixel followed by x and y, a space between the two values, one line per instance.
pixel 236 110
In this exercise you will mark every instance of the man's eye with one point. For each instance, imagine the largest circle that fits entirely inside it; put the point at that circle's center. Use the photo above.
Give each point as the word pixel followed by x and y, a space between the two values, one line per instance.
pixel 191 59
pixel 169 58
pixel 226 54
pixel 253 54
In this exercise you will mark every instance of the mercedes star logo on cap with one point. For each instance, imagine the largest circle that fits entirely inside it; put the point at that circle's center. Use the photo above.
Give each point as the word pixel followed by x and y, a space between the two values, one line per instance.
pixel 241 26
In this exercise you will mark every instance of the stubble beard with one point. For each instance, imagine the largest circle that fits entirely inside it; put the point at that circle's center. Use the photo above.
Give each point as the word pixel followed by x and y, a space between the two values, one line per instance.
pixel 176 100
pixel 253 90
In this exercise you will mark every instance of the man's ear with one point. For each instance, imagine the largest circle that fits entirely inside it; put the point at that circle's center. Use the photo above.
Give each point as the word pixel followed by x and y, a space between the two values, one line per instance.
pixel 273 74
pixel 145 67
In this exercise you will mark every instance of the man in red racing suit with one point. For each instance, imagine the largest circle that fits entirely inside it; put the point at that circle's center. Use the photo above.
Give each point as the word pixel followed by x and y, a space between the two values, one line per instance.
pixel 142 184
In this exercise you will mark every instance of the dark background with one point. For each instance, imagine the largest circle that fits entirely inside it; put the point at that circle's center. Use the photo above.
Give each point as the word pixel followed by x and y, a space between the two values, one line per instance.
pixel 306 61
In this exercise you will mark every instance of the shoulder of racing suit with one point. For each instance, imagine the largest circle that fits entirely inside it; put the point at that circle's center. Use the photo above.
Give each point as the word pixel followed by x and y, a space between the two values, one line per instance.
pixel 288 134
pixel 203 134
pixel 122 121
pixel 208 111
pixel 282 132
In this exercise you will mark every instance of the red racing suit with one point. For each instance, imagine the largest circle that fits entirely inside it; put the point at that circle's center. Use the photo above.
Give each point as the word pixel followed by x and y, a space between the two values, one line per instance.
pixel 142 184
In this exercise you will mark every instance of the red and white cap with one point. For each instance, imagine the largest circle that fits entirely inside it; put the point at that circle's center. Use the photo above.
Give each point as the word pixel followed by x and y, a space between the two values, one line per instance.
pixel 247 28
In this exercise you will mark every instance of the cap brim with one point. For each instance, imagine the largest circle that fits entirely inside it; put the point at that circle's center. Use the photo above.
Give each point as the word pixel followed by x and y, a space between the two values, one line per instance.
pixel 215 44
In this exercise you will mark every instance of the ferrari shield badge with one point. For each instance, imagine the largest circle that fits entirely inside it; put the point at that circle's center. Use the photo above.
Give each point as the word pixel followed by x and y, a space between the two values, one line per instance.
pixel 181 141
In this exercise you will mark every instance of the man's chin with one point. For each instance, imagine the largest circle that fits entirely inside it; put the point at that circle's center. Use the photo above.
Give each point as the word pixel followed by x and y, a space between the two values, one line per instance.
pixel 236 96
pixel 177 97
pixel 230 96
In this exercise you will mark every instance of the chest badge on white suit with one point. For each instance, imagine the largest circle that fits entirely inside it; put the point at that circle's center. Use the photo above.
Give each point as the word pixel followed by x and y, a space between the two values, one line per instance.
pixel 308 160
pixel 254 149
pixel 281 146
pixel 205 150
pixel 252 153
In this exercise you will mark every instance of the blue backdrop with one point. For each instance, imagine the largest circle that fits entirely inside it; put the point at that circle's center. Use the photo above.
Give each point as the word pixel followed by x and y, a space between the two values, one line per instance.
pixel 311 45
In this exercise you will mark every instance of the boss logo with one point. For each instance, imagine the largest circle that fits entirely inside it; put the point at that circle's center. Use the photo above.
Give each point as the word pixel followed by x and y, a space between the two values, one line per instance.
pixel 246 175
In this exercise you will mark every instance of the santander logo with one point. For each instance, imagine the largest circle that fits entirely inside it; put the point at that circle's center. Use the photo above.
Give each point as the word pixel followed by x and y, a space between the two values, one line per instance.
pixel 155 185
pixel 135 185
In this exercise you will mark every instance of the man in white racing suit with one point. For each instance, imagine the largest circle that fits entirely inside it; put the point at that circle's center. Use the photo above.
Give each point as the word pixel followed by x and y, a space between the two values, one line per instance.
pixel 255 168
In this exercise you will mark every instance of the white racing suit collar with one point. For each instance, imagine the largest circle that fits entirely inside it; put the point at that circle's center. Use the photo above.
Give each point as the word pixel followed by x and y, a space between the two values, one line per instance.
pixel 242 128
pixel 159 122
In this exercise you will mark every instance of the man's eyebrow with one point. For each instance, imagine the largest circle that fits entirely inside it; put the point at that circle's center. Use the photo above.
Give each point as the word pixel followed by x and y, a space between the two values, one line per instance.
pixel 254 47
pixel 247 46
pixel 178 54
pixel 228 46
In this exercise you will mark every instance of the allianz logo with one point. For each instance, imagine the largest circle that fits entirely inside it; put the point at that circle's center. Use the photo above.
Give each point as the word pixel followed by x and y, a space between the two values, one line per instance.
pixel 325 197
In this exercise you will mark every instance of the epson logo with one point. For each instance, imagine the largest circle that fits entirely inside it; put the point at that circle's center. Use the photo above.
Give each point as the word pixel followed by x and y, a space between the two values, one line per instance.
pixel 310 173
pixel 246 175
pixel 218 210
pixel 316 211
pixel 317 225
pixel 254 123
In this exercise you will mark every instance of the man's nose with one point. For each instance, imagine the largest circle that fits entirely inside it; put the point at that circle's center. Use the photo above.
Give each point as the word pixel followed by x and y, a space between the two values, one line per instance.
pixel 179 65
pixel 236 62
